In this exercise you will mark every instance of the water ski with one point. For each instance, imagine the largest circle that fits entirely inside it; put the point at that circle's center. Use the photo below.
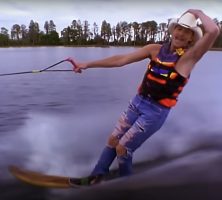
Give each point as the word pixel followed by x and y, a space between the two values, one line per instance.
pixel 52 181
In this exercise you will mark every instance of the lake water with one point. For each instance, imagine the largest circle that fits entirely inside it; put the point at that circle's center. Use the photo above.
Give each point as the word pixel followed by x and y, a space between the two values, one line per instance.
pixel 58 122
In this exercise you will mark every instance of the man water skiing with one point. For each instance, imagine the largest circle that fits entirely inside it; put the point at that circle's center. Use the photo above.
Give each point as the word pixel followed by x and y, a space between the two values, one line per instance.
pixel 168 72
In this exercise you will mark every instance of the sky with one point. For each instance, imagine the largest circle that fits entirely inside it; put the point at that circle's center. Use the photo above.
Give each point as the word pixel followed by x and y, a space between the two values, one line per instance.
pixel 63 12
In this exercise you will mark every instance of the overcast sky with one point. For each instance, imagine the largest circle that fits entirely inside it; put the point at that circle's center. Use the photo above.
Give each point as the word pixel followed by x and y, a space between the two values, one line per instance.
pixel 62 12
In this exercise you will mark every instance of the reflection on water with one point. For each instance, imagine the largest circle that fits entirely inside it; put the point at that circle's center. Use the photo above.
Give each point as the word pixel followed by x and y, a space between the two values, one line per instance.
pixel 58 122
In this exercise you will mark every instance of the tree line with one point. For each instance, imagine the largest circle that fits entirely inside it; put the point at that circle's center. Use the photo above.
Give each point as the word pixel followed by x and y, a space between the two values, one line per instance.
pixel 80 33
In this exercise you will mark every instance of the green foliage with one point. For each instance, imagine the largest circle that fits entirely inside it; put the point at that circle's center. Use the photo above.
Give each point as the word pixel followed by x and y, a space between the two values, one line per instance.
pixel 49 39
pixel 4 40
pixel 79 33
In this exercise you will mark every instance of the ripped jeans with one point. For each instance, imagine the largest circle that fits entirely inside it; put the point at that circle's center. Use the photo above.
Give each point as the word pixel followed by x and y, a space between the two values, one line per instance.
pixel 142 118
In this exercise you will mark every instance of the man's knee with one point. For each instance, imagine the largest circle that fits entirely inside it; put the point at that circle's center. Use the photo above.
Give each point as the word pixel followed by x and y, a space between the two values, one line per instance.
pixel 121 150
pixel 113 141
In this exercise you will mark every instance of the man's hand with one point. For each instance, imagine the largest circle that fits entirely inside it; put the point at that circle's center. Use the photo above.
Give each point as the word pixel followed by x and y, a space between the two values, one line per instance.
pixel 76 68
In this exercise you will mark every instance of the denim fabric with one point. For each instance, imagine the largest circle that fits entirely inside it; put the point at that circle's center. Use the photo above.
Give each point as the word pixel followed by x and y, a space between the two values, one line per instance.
pixel 125 164
pixel 106 158
pixel 142 118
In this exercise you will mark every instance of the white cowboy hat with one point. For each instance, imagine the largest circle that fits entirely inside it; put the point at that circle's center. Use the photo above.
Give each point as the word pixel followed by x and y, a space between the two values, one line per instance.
pixel 187 20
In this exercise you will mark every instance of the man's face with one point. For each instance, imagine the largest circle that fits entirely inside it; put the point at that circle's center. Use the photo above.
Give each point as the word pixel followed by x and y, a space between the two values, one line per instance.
pixel 182 36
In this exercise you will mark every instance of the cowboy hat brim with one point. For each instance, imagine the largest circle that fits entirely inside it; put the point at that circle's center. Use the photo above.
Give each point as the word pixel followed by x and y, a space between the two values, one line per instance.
pixel 189 21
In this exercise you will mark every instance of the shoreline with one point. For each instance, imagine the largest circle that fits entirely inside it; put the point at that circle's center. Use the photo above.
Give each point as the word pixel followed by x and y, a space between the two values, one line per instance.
pixel 101 46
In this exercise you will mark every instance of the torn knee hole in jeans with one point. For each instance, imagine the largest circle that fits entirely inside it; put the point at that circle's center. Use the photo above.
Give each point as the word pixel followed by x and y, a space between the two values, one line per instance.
pixel 123 123
pixel 113 141
pixel 121 150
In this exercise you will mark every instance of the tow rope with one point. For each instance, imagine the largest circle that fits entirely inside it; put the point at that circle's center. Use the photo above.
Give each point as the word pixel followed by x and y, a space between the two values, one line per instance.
pixel 47 69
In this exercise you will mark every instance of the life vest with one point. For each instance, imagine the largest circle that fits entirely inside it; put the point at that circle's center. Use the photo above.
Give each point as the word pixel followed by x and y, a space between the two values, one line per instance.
pixel 161 81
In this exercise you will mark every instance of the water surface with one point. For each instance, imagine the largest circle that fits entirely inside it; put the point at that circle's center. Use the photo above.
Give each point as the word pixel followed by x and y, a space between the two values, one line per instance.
pixel 58 122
